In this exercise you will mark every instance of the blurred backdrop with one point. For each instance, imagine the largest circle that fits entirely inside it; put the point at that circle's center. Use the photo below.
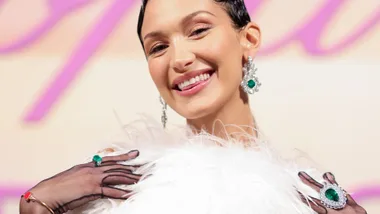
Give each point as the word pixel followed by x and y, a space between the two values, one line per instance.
pixel 67 66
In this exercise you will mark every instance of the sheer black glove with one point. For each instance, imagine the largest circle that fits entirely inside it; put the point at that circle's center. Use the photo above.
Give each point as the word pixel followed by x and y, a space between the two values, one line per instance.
pixel 87 182
pixel 351 206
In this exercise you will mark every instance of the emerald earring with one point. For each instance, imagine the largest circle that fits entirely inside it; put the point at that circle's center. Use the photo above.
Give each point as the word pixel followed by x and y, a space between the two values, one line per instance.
pixel 250 82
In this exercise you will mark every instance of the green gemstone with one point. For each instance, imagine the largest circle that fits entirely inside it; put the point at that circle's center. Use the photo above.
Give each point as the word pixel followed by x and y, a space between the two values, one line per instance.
pixel 251 83
pixel 331 194
pixel 97 159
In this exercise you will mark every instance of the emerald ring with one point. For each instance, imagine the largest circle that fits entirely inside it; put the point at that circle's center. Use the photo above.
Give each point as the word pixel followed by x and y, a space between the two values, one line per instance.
pixel 333 196
pixel 97 160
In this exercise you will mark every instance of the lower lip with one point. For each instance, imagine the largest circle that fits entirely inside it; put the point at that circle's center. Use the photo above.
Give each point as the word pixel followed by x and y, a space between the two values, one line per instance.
pixel 196 88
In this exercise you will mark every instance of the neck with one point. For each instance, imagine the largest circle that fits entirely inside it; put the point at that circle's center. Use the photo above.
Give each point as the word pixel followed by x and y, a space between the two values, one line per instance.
pixel 234 119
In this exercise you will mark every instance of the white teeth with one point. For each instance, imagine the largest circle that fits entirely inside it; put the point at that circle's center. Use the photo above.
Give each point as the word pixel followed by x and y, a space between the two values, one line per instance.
pixel 201 77
pixel 186 83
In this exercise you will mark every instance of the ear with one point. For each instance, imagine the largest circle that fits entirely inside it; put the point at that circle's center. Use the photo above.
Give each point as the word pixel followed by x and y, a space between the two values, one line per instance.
pixel 250 39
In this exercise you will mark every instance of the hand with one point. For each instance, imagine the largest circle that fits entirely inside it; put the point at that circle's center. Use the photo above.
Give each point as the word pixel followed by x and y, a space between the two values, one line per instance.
pixel 86 182
pixel 351 207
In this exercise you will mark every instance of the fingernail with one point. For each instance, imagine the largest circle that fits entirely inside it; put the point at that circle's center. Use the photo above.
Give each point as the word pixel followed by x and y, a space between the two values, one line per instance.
pixel 126 196
pixel 325 175
pixel 332 175
pixel 134 153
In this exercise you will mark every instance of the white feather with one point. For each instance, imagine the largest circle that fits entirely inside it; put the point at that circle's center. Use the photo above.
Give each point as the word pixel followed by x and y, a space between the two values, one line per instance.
pixel 203 174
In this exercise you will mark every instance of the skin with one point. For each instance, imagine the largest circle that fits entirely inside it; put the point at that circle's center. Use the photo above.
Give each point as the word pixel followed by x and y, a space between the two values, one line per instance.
pixel 176 44
pixel 197 44
pixel 206 40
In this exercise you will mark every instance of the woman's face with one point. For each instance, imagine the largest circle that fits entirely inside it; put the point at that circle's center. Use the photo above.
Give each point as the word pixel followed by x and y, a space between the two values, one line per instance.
pixel 195 55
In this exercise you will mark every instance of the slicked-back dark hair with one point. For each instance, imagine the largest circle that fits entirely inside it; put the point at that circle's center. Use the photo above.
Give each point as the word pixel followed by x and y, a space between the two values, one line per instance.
pixel 235 9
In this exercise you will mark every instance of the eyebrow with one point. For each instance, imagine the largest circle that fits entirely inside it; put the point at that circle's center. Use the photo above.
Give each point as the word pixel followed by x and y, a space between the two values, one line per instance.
pixel 184 21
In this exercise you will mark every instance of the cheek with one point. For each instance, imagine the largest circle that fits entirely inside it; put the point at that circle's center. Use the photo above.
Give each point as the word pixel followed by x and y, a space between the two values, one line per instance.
pixel 158 73
pixel 229 62
pixel 215 46
pixel 223 46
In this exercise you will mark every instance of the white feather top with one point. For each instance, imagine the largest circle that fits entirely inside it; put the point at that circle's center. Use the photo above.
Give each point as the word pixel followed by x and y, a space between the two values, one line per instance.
pixel 202 174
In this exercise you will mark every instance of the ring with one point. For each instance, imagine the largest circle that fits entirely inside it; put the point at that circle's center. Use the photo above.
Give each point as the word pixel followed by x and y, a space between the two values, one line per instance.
pixel 97 159
pixel 333 196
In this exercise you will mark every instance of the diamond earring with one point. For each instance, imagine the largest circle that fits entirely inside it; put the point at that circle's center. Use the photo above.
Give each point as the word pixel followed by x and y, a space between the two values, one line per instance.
pixel 164 117
pixel 250 82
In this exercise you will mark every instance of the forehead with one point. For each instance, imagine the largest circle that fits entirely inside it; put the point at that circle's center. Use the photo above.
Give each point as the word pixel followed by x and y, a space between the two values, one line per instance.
pixel 161 13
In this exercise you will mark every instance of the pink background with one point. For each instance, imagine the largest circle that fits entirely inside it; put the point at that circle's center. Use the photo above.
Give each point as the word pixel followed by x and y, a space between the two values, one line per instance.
pixel 66 65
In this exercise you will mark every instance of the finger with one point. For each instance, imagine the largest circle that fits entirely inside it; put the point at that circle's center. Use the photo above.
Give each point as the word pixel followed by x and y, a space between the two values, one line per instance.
pixel 328 176
pixel 108 163
pixel 106 168
pixel 306 179
pixel 135 177
pixel 118 180
pixel 128 174
pixel 125 172
pixel 115 193
pixel 313 203
pixel 350 200
pixel 119 170
pixel 124 157
pixel 321 209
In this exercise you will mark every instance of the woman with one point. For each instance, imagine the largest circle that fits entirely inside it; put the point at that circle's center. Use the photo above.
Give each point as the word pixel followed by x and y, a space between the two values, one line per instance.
pixel 200 55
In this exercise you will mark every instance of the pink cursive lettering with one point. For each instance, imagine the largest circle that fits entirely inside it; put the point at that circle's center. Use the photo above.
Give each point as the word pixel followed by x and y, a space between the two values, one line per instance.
pixel 72 68
pixel 57 10
pixel 309 34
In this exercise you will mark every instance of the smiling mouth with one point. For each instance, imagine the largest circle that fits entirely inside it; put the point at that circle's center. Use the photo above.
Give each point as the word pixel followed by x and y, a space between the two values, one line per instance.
pixel 194 81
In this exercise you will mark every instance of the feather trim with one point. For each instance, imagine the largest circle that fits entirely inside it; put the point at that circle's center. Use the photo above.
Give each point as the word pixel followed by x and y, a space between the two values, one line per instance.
pixel 200 173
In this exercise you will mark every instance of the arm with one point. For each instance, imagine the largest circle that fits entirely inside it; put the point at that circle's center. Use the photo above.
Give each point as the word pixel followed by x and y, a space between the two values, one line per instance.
pixel 32 208
pixel 95 180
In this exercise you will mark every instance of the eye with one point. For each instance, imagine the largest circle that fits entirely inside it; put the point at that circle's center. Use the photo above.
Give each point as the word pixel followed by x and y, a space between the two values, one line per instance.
pixel 157 48
pixel 199 31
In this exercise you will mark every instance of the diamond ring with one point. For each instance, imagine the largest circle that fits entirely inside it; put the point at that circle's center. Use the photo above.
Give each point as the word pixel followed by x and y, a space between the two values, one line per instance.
pixel 333 196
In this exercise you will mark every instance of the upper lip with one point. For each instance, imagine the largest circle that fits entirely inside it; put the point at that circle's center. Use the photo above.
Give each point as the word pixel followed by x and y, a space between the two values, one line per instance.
pixel 189 75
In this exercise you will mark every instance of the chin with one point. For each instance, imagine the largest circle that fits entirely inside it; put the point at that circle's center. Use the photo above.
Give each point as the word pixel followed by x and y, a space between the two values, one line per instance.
pixel 200 109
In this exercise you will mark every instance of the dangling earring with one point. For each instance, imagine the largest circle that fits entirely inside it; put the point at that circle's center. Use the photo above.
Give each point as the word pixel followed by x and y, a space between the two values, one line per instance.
pixel 250 82
pixel 164 117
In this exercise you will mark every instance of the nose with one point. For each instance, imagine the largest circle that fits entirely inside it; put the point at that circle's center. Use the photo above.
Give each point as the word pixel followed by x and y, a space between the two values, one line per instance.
pixel 182 59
